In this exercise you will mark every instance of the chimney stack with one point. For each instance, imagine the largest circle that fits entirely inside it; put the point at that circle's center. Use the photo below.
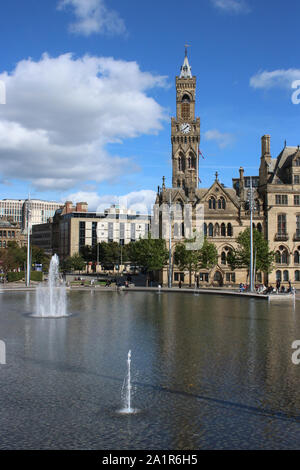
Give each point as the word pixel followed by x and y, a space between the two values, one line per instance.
pixel 266 146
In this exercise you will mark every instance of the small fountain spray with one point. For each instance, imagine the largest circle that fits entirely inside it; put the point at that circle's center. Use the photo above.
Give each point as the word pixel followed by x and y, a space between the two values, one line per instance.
pixel 127 389
pixel 51 301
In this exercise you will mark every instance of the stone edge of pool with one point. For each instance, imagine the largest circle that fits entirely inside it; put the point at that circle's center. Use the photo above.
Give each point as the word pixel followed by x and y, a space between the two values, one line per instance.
pixel 285 297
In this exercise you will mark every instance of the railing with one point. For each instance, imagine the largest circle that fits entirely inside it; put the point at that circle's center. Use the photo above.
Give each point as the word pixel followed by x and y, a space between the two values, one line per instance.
pixel 297 236
pixel 281 237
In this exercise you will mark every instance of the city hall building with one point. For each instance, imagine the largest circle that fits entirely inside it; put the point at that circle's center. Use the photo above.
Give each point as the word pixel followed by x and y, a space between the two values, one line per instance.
pixel 226 210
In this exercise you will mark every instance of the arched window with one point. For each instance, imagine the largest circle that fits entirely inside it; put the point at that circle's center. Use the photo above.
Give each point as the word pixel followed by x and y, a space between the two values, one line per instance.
pixel 278 276
pixel 178 183
pixel 210 230
pixel 296 257
pixel 297 275
pixel 205 229
pixel 212 203
pixel 181 162
pixel 192 161
pixel 186 99
pixel 229 230
pixel 285 276
pixel 223 257
pixel 282 255
pixel 223 230
pixel 281 224
pixel 278 257
pixel 221 203
pixel 217 230
pixel 259 227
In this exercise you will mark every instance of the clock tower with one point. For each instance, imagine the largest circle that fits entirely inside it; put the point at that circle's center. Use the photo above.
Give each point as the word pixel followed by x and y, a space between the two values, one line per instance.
pixel 185 132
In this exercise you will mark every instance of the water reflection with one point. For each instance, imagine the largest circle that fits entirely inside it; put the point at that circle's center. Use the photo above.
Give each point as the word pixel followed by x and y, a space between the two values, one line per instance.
pixel 213 372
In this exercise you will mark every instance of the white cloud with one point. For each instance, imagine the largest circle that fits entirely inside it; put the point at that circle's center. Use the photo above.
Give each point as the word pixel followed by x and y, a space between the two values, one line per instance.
pixel 222 139
pixel 276 79
pixel 93 16
pixel 231 6
pixel 61 112
pixel 140 201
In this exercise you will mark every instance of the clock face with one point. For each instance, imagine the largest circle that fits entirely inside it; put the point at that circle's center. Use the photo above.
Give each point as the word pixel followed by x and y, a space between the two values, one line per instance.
pixel 185 128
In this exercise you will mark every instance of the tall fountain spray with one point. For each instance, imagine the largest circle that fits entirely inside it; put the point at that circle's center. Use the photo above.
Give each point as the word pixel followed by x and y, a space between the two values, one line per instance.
pixel 126 389
pixel 51 301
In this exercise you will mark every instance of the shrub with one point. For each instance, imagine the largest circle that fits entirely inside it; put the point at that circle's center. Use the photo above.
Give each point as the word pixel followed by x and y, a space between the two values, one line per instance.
pixel 34 276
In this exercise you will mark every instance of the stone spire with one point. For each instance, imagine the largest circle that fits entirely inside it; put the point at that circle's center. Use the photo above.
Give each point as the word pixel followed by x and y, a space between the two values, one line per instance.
pixel 186 69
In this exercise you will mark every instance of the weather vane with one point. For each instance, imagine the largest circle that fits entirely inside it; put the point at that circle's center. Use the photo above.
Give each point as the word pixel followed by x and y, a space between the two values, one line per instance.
pixel 186 46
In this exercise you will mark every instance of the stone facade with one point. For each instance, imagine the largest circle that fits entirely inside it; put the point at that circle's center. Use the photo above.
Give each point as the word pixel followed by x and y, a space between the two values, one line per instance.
pixel 10 231
pixel 226 210
pixel 280 190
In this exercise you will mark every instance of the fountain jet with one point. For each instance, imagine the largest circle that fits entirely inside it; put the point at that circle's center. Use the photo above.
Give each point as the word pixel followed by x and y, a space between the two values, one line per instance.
pixel 126 389
pixel 51 301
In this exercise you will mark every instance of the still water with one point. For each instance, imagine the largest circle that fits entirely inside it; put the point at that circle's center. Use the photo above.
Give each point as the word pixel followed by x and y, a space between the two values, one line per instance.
pixel 208 372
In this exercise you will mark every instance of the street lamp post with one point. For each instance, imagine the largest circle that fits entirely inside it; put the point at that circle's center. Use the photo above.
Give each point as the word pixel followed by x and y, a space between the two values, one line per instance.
pixel 170 243
pixel 28 244
pixel 251 207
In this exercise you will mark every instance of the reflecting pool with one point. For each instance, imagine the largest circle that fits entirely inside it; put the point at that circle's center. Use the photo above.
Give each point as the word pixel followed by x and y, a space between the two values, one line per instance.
pixel 207 372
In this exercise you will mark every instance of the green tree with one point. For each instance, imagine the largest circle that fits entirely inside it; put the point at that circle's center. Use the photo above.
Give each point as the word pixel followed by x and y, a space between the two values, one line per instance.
pixel 148 253
pixel 77 262
pixel 208 255
pixel 240 257
pixel 192 260
pixel 87 253
pixel 109 253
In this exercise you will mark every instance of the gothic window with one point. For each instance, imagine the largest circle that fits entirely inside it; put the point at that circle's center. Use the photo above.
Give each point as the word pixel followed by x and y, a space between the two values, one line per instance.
pixel 296 179
pixel 282 256
pixel 178 183
pixel 297 162
pixel 191 161
pixel 259 228
pixel 210 230
pixel 181 162
pixel 217 230
pixel 186 99
pixel 229 230
pixel 297 275
pixel 278 276
pixel 285 276
pixel 212 203
pixel 223 230
pixel 205 229
pixel 223 257
pixel 281 224
pixel 296 257
pixel 221 203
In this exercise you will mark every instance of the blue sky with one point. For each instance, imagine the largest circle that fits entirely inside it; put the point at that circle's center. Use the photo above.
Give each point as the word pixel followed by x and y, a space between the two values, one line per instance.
pixel 90 92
